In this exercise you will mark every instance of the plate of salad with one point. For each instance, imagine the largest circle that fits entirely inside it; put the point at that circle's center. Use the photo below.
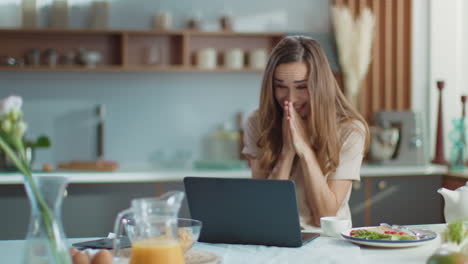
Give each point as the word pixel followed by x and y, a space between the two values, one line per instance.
pixel 389 236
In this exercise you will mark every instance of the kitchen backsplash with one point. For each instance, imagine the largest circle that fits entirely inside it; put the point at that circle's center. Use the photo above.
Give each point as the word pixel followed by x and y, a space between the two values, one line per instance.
pixel 149 116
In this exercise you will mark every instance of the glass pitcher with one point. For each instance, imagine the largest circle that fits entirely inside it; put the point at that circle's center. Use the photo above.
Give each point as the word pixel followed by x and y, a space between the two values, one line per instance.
pixel 153 231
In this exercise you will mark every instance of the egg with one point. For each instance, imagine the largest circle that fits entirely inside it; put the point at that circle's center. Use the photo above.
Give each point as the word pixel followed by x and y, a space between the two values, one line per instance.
pixel 47 167
pixel 80 258
pixel 102 257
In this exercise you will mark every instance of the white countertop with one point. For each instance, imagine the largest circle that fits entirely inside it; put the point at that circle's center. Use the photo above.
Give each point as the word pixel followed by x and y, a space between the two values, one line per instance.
pixel 156 176
pixel 322 250
pixel 458 173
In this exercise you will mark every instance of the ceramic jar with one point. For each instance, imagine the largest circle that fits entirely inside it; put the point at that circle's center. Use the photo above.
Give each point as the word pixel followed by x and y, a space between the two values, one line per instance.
pixel 162 21
pixel 207 58
pixel 234 59
pixel 258 58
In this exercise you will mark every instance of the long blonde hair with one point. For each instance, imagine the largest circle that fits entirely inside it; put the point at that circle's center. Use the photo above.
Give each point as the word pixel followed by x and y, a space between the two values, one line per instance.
pixel 329 108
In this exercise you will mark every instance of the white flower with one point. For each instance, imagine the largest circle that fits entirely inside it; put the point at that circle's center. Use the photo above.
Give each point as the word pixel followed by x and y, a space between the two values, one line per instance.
pixel 6 126
pixel 11 104
pixel 20 129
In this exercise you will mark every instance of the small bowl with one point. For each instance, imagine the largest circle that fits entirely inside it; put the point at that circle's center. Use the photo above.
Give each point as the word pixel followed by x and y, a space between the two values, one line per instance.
pixel 189 232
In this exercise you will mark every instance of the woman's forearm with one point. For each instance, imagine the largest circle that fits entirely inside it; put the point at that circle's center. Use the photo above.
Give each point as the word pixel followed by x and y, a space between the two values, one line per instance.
pixel 282 169
pixel 321 200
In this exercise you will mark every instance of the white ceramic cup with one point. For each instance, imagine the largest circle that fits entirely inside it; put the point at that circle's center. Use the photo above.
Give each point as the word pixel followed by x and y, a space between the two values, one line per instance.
pixel 334 225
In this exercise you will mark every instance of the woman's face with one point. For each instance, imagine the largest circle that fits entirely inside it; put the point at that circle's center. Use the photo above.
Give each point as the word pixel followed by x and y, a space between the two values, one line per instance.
pixel 290 82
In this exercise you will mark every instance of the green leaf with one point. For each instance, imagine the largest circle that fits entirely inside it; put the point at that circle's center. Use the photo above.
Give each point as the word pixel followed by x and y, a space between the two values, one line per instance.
pixel 42 142
pixel 455 232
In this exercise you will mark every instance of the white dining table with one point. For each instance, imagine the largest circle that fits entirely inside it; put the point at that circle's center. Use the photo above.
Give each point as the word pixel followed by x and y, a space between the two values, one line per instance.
pixel 321 250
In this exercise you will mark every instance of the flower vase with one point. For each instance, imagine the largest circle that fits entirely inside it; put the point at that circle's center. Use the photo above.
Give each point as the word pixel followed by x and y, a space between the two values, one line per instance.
pixel 45 240
pixel 457 151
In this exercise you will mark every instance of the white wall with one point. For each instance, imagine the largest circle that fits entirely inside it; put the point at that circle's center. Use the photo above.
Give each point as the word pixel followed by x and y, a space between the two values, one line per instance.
pixel 420 62
pixel 448 55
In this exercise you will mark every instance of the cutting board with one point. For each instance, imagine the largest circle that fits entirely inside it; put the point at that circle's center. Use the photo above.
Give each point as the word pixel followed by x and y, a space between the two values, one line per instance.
pixel 96 165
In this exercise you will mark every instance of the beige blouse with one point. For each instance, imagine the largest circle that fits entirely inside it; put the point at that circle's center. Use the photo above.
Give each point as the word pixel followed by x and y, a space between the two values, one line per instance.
pixel 351 156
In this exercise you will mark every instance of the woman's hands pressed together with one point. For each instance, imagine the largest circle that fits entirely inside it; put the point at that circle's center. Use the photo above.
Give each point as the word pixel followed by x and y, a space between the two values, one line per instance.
pixel 296 130
pixel 288 149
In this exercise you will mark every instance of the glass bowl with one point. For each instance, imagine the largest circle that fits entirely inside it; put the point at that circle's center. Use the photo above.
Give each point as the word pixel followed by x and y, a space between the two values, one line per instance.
pixel 189 231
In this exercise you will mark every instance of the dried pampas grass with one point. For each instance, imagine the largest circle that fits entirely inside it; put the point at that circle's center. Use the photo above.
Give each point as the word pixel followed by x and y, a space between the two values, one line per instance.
pixel 354 41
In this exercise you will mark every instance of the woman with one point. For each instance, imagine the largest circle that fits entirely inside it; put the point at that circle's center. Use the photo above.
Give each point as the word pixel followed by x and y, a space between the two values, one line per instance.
pixel 305 130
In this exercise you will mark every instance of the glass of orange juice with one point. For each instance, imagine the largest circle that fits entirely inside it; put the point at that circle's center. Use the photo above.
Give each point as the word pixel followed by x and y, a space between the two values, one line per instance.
pixel 157 250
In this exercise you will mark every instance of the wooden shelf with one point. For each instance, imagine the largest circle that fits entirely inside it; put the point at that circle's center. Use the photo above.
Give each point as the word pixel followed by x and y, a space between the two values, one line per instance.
pixel 145 68
pixel 60 68
pixel 131 50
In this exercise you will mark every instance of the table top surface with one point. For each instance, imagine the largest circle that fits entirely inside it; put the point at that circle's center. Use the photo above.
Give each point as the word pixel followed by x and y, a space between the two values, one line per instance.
pixel 321 250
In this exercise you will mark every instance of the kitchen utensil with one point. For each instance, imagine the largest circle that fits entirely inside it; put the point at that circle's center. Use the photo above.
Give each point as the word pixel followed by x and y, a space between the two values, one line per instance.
pixel 154 235
pixel 101 113
pixel 152 55
pixel 29 13
pixel 89 58
pixel 428 236
pixel 99 14
pixel 400 228
pixel 69 58
pixel 188 231
pixel 456 203
pixel 258 59
pixel 410 149
pixel 99 165
pixel 50 57
pixel 383 142
pixel 59 14
pixel 333 225
pixel 162 21
pixel 33 57
pixel 234 59
pixel 8 61
pixel 207 58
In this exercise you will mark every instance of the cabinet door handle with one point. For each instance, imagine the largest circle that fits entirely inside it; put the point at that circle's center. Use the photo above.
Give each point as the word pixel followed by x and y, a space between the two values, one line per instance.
pixel 357 186
pixel 382 185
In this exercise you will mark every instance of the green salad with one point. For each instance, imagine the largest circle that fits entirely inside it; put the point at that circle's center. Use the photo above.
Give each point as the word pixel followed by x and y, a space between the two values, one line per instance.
pixel 365 234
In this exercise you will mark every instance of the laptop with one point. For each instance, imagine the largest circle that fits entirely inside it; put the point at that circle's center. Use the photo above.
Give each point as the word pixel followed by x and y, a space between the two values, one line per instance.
pixel 246 211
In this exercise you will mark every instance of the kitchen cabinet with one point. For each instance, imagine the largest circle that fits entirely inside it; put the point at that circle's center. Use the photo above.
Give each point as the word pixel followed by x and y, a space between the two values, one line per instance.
pixel 397 200
pixel 357 203
pixel 130 50
pixel 89 210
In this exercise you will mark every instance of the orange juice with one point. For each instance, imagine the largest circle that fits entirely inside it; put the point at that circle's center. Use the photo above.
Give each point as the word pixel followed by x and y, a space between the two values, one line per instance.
pixel 157 251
